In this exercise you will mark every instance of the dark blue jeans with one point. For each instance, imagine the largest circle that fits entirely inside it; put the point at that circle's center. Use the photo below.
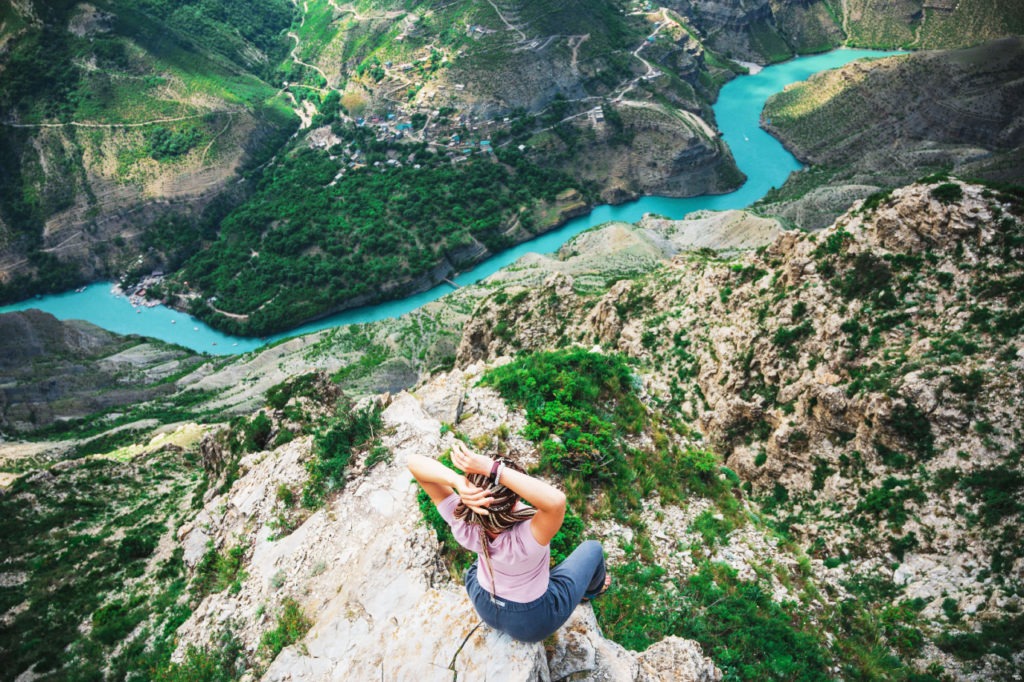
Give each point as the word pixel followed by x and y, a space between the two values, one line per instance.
pixel 582 573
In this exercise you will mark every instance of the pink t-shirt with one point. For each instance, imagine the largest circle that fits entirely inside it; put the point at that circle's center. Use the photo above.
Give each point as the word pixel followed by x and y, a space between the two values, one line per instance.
pixel 521 565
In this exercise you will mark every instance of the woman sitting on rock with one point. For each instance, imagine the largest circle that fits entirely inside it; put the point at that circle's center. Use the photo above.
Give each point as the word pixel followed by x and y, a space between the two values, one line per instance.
pixel 516 591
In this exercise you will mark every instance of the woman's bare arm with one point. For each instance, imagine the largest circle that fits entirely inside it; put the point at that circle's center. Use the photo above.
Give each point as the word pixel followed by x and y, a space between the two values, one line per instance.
pixel 548 500
pixel 438 481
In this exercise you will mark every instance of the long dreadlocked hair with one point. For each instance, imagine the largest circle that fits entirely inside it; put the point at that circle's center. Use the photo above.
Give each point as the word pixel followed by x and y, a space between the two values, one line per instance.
pixel 502 511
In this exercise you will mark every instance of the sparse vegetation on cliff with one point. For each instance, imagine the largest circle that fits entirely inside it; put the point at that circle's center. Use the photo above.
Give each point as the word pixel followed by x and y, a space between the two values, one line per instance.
pixel 91 544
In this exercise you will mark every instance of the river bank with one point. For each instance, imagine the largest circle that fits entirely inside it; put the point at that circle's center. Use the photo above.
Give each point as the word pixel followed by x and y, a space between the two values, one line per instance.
pixel 760 156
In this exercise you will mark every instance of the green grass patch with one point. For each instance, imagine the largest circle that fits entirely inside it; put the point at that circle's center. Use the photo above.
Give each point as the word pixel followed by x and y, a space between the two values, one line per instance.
pixel 579 406
pixel 292 625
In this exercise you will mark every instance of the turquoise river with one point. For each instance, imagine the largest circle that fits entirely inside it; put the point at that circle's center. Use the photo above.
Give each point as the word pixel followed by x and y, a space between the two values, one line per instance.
pixel 761 157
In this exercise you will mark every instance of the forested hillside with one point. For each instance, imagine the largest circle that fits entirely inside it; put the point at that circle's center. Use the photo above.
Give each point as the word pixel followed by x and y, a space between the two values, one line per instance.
pixel 116 115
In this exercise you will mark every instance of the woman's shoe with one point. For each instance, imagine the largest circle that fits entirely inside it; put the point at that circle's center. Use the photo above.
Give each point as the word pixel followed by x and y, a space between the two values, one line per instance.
pixel 587 596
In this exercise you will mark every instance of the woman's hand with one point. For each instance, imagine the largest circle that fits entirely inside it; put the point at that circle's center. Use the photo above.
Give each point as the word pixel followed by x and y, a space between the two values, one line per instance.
pixel 463 458
pixel 473 497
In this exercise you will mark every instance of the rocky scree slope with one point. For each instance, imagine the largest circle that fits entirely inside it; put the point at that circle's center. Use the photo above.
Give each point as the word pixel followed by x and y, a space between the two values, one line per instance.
pixel 865 383
pixel 881 124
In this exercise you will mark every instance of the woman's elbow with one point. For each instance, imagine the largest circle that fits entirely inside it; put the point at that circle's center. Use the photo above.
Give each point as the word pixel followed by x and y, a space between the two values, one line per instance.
pixel 413 464
pixel 558 500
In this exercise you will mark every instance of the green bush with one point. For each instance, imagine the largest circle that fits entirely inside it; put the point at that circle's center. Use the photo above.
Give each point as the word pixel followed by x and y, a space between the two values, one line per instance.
pixel 303 385
pixel 876 199
pixel 1002 637
pixel 701 462
pixel 951 607
pixel 378 454
pixel 900 546
pixel 256 433
pixel 283 437
pixel 867 274
pixel 110 623
pixel 333 447
pixel 835 243
pixel 890 457
pixel 579 406
pixel 968 385
pixel 292 625
pixel 821 472
pixel 162 144
pixel 215 572
pixel 914 428
pixel 998 491
pixel 746 633
pixel 947 193
pixel 285 495
pixel 715 531
pixel 887 501
pixel 138 544
pixel 568 538
pixel 221 663
pixel 786 338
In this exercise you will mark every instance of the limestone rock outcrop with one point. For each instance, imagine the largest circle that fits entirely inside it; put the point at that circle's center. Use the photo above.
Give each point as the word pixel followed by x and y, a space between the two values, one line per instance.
pixel 365 569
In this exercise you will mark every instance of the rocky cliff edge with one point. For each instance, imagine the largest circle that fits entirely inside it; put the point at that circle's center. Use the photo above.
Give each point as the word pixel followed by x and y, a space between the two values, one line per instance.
pixel 366 571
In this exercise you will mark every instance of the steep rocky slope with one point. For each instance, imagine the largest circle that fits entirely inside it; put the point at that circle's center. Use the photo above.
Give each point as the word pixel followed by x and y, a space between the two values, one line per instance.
pixel 366 570
pixel 52 371
pixel 952 111
pixel 762 31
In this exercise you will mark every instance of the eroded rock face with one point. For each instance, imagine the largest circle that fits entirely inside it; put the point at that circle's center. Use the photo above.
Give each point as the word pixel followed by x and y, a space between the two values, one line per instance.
pixel 52 370
pixel 952 109
pixel 578 649
pixel 761 31
pixel 366 570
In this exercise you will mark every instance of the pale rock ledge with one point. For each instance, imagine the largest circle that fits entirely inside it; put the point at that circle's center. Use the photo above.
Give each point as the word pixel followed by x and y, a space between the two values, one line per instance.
pixel 366 571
